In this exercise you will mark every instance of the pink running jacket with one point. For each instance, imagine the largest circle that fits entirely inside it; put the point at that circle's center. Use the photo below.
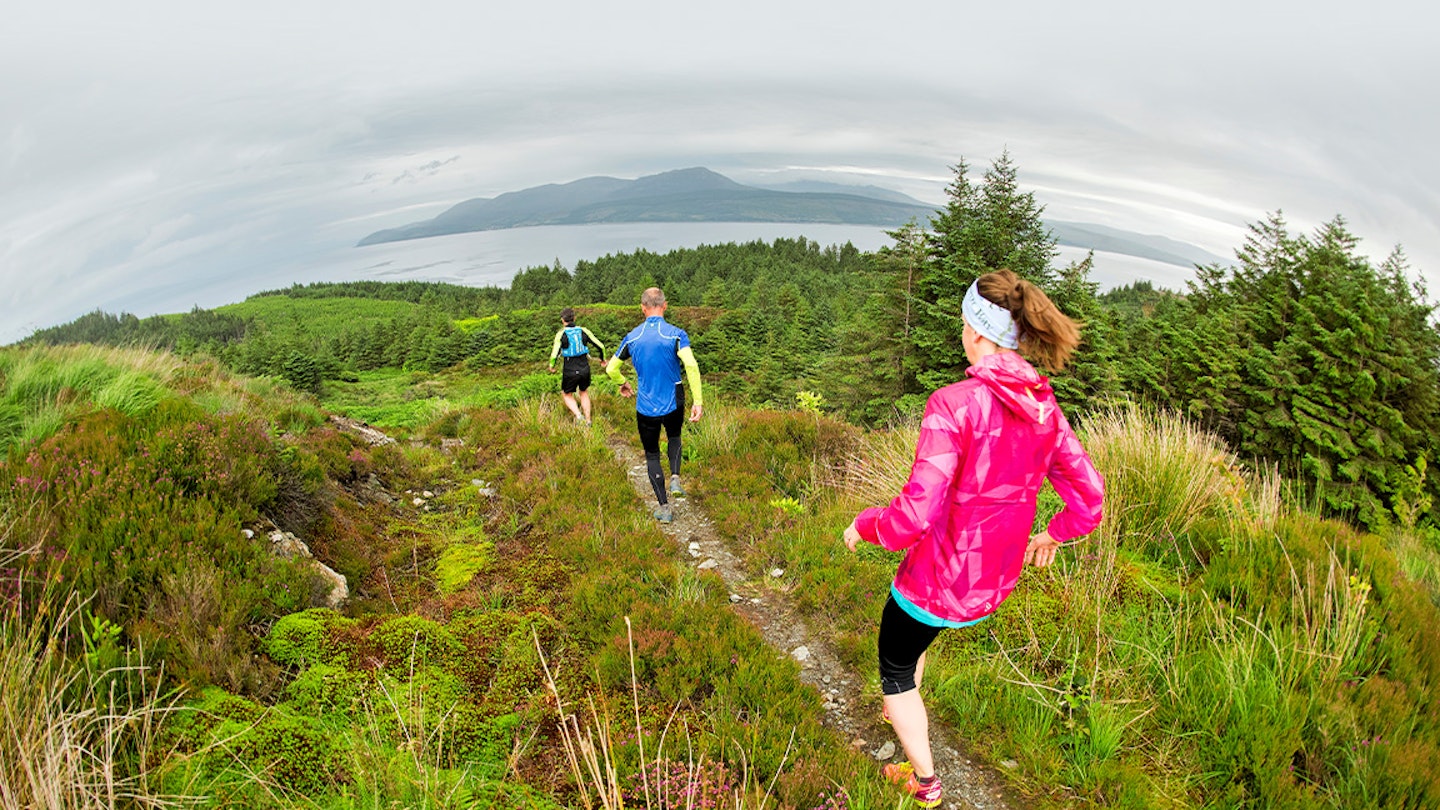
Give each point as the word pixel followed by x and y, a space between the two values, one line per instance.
pixel 964 517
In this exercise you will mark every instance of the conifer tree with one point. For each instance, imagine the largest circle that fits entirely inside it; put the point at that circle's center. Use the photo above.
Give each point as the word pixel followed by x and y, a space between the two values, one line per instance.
pixel 1308 356
pixel 982 228
pixel 1091 380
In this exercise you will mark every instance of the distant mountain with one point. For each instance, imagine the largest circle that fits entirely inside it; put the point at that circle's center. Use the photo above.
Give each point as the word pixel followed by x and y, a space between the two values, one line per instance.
pixel 685 195
pixel 1146 246
pixel 700 195
pixel 874 192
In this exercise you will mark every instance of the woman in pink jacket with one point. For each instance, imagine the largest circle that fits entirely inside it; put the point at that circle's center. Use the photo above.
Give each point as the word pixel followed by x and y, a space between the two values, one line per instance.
pixel 964 517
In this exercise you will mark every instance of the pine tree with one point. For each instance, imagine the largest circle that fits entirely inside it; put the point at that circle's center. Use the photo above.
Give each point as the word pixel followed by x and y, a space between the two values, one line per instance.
pixel 983 228
pixel 1092 379
pixel 1308 356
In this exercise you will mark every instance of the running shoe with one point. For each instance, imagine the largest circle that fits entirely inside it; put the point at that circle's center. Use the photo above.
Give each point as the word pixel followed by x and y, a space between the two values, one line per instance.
pixel 675 488
pixel 664 513
pixel 903 774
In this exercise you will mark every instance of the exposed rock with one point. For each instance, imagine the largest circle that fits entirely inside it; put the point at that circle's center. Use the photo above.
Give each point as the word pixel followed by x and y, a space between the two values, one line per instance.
pixel 448 445
pixel 885 751
pixel 336 590
pixel 339 587
pixel 1009 764
pixel 418 501
pixel 707 565
pixel 801 653
pixel 371 436
pixel 735 597
pixel 427 494
pixel 287 545
pixel 777 572
pixel 373 489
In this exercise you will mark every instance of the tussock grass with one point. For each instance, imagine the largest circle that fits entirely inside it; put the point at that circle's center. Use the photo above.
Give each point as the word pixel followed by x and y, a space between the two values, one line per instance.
pixel 132 393
pixel 1162 474
pixel 716 433
pixel 41 388
pixel 876 472
pixel 76 731
pixel 669 775
pixel 1418 552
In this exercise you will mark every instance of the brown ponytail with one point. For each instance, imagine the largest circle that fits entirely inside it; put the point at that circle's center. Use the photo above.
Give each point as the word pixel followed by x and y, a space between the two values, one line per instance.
pixel 1047 335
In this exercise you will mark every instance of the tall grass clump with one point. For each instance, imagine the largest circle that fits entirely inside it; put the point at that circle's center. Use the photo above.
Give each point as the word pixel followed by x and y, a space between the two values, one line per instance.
pixel 612 768
pixel 42 387
pixel 1162 475
pixel 79 723
pixel 878 469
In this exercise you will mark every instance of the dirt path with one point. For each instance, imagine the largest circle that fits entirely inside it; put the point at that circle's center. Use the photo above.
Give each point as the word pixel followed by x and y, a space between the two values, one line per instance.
pixel 765 604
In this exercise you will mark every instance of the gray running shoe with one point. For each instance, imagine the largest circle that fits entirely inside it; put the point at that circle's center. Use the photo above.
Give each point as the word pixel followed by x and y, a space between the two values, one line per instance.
pixel 664 513
pixel 675 488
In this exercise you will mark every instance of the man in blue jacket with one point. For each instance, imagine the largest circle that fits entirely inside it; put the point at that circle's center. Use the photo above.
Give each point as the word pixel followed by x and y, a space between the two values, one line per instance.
pixel 658 349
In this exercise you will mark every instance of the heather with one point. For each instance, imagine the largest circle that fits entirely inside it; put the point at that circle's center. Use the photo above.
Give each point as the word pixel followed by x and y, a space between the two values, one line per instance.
pixel 478 613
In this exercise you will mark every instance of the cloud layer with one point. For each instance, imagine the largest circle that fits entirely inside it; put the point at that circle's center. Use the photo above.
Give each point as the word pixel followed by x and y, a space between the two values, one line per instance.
pixel 166 154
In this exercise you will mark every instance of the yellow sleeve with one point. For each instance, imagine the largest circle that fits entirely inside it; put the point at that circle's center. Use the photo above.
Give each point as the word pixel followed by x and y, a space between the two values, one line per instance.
pixel 692 373
pixel 555 349
pixel 612 370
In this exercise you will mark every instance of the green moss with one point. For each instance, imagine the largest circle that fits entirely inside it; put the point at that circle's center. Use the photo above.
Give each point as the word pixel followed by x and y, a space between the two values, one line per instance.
pixel 413 642
pixel 190 728
pixel 299 753
pixel 459 563
pixel 477 738
pixel 326 689
pixel 309 637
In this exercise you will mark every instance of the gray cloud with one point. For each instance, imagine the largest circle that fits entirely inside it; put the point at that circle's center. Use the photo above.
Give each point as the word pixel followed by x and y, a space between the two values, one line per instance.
pixel 163 152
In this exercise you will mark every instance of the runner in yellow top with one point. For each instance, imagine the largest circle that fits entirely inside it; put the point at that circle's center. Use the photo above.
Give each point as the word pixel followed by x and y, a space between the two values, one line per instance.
pixel 570 342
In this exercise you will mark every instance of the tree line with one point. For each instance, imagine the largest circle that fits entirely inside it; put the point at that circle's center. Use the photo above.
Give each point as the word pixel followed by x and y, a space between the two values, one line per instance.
pixel 1303 354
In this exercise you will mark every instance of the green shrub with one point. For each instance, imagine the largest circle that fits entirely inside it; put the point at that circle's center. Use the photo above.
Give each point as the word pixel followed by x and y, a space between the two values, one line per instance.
pixel 127 504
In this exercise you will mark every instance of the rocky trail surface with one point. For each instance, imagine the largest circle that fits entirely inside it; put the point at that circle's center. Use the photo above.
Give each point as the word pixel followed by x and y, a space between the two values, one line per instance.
pixel 764 602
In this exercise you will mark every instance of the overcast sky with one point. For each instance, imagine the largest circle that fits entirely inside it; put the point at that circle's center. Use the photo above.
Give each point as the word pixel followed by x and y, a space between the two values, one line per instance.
pixel 158 154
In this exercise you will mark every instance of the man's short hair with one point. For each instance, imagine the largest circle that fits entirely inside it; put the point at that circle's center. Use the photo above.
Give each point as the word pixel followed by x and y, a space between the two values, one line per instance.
pixel 652 298
pixel 567 315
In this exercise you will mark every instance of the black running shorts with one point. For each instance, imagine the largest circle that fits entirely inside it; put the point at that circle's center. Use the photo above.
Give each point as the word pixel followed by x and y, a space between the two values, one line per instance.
pixel 576 376
pixel 671 423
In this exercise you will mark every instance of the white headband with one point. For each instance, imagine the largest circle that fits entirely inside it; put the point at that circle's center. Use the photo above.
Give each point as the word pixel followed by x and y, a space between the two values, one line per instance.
pixel 990 319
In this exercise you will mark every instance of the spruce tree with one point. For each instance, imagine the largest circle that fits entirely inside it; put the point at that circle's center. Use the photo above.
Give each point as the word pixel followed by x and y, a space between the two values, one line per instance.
pixel 1305 355
pixel 983 228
